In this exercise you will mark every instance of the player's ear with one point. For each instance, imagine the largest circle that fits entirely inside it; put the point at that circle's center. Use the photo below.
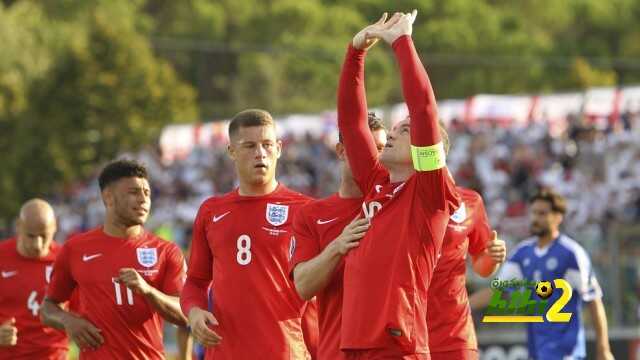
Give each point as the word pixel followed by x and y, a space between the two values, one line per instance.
pixel 107 196
pixel 340 151
pixel 278 148
pixel 231 151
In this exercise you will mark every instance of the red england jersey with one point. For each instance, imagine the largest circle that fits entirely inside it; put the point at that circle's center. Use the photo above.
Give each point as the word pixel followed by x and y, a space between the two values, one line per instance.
pixel 386 278
pixel 89 263
pixel 315 226
pixel 23 283
pixel 449 315
pixel 241 243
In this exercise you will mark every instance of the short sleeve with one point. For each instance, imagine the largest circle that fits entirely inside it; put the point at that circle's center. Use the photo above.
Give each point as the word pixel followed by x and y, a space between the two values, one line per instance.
pixel 581 277
pixel 174 273
pixel 304 244
pixel 480 235
pixel 200 257
pixel 62 282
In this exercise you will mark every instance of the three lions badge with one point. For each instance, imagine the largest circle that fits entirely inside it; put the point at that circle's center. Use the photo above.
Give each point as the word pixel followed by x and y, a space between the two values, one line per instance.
pixel 277 214
pixel 147 257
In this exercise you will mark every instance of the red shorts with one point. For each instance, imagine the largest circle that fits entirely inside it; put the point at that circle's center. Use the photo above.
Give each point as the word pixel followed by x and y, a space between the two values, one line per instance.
pixel 382 354
pixel 464 354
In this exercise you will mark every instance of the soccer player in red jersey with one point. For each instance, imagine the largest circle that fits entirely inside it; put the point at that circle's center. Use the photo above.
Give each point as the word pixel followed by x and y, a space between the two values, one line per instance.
pixel 323 232
pixel 409 197
pixel 451 331
pixel 127 279
pixel 26 262
pixel 241 243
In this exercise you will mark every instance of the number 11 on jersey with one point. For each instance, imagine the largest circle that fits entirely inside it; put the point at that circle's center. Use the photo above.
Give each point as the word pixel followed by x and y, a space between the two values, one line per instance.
pixel 117 286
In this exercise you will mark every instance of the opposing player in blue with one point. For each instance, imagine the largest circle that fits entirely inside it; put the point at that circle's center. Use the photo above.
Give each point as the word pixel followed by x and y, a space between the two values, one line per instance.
pixel 547 256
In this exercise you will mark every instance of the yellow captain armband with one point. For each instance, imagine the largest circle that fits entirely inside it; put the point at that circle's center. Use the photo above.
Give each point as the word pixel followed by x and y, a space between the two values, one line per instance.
pixel 428 158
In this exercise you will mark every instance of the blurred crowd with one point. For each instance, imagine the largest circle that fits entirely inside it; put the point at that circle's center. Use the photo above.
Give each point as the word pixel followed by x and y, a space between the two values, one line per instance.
pixel 598 170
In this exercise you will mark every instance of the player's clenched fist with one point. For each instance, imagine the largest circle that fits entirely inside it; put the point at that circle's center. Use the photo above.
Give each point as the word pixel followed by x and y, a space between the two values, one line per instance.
pixel 497 249
pixel 8 333
pixel 134 281
pixel 199 321
pixel 351 235
pixel 82 332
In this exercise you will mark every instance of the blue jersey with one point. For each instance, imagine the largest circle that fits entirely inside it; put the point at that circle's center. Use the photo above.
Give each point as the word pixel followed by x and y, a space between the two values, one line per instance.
pixel 565 259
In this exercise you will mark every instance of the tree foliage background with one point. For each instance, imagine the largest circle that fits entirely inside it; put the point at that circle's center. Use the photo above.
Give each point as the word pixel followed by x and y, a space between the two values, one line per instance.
pixel 81 80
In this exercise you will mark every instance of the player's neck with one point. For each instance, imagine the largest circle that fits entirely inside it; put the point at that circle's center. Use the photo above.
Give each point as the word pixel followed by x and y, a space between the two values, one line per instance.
pixel 114 228
pixel 348 188
pixel 545 240
pixel 399 172
pixel 248 189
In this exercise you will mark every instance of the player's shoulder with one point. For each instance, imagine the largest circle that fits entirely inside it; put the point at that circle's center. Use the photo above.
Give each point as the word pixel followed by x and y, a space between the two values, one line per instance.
pixel 573 248
pixel 7 244
pixel 217 200
pixel 79 239
pixel 156 241
pixel 523 247
pixel 8 248
pixel 291 196
pixel 468 195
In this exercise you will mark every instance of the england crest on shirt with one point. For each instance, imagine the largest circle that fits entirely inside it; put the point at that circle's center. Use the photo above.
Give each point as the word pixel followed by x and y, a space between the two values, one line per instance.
pixel 147 257
pixel 460 215
pixel 277 214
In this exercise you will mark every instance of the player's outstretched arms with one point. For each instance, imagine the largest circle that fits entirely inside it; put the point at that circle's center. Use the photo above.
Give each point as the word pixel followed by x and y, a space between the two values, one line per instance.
pixel 311 277
pixel 80 330
pixel 8 333
pixel 200 320
pixel 166 305
pixel 487 263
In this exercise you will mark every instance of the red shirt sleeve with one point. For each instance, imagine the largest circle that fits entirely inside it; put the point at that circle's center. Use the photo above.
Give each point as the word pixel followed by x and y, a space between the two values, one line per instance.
pixel 194 292
pixel 436 187
pixel 418 94
pixel 62 282
pixel 200 258
pixel 480 235
pixel 304 242
pixel 353 125
pixel 175 272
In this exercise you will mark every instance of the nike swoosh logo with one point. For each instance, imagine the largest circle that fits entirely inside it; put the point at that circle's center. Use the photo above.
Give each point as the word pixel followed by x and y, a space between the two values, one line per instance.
pixel 8 274
pixel 90 257
pixel 217 218
pixel 322 222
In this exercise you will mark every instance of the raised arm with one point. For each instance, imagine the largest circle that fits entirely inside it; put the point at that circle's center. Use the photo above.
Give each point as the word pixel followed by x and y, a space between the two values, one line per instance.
pixel 361 149
pixel 427 148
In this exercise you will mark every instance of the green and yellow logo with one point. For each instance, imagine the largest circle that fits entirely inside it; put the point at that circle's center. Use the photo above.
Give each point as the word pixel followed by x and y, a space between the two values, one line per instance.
pixel 520 307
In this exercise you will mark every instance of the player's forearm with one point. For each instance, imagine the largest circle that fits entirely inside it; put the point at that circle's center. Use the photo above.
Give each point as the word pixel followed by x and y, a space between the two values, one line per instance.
pixel 194 294
pixel 484 265
pixel 352 114
pixel 167 306
pixel 480 299
pixel 599 318
pixel 310 277
pixel 53 315
pixel 418 94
